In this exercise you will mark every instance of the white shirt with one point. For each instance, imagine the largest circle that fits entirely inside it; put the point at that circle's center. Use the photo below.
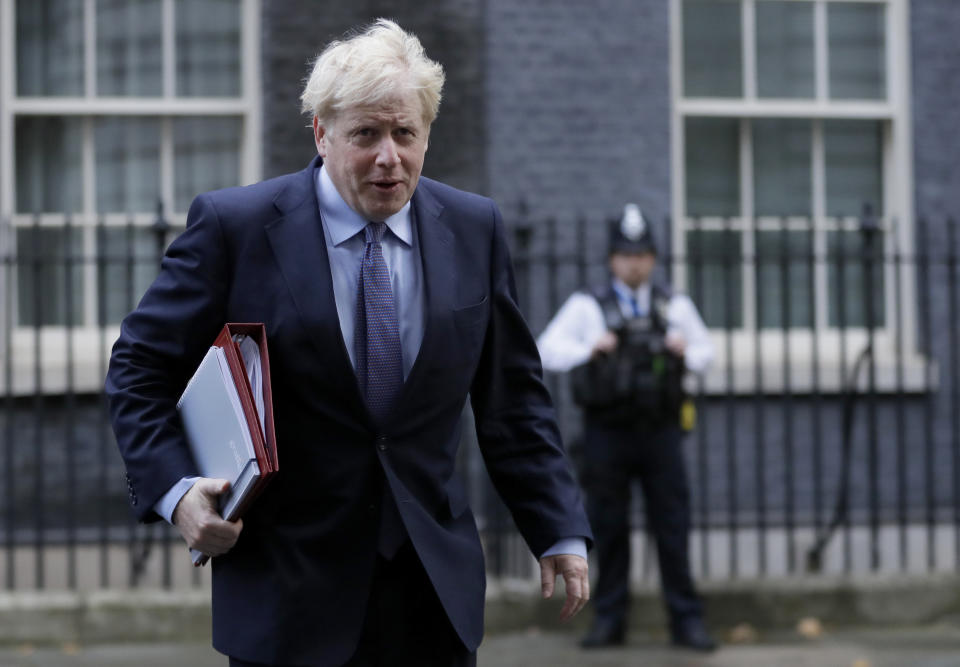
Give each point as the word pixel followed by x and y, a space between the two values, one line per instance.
pixel 570 336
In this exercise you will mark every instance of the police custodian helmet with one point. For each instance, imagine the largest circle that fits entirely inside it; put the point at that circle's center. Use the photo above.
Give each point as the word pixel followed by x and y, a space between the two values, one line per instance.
pixel 631 233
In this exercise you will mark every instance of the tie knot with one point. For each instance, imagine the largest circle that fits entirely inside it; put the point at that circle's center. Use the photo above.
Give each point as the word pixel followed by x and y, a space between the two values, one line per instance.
pixel 373 232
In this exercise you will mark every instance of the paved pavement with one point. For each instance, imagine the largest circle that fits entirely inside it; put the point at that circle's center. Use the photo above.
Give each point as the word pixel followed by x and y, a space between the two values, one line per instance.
pixel 937 646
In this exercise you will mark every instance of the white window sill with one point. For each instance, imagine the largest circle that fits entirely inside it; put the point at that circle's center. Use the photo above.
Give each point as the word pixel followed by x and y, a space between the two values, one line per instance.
pixel 793 365
pixel 90 350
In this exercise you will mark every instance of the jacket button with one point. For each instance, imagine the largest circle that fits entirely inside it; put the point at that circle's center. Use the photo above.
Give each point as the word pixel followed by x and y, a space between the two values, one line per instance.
pixel 382 443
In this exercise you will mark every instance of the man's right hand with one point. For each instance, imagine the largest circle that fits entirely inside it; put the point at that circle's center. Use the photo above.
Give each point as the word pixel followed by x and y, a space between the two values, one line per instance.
pixel 198 521
pixel 606 344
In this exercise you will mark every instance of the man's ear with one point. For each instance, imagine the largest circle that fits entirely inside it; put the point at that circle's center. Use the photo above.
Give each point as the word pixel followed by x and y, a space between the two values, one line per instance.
pixel 320 137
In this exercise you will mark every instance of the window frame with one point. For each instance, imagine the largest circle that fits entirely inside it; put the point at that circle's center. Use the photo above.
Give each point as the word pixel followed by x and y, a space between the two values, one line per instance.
pixel 739 366
pixel 49 347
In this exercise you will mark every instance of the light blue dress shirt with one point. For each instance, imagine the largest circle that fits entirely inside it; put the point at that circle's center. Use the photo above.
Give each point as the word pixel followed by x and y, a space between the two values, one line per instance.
pixel 343 232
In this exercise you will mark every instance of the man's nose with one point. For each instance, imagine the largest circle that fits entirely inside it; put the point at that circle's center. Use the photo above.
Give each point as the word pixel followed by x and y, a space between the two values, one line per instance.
pixel 387 155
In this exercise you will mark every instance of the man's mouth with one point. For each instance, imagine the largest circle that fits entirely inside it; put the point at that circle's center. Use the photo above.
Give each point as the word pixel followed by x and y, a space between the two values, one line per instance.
pixel 386 186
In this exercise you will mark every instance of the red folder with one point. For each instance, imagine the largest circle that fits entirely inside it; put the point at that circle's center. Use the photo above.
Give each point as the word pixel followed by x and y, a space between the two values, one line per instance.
pixel 264 440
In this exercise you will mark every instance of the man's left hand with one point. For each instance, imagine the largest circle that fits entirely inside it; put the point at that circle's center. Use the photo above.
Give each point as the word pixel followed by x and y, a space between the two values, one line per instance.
pixel 576 578
pixel 676 343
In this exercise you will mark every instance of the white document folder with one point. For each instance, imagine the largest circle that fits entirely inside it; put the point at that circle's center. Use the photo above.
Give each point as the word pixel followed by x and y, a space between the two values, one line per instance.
pixel 217 430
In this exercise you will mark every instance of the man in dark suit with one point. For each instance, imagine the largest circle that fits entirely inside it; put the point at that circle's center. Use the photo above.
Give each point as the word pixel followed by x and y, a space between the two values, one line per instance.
pixel 387 299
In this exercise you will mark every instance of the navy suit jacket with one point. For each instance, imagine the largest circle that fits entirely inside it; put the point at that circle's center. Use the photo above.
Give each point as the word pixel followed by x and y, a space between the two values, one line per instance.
pixel 295 586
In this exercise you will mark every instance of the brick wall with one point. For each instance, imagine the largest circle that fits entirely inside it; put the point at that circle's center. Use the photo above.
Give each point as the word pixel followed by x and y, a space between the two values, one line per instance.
pixel 935 72
pixel 935 25
pixel 579 105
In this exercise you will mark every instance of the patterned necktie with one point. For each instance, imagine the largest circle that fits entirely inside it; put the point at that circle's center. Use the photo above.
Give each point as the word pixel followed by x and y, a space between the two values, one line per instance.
pixel 379 364
pixel 377 335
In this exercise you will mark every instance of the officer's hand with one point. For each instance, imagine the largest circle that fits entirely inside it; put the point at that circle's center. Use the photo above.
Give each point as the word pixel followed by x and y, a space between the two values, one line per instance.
pixel 676 343
pixel 198 521
pixel 576 578
pixel 606 344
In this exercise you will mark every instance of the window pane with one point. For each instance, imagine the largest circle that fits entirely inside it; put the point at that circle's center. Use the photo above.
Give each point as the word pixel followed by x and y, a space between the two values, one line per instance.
pixel 784 278
pixel 129 47
pixel 128 164
pixel 42 265
pixel 206 156
pixel 785 60
pixel 857 51
pixel 781 167
pixel 130 264
pixel 849 270
pixel 854 156
pixel 714 262
pixel 712 60
pixel 48 164
pixel 208 48
pixel 49 47
pixel 713 166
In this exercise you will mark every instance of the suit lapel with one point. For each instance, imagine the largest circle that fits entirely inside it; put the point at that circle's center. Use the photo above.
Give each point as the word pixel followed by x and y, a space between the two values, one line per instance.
pixel 300 249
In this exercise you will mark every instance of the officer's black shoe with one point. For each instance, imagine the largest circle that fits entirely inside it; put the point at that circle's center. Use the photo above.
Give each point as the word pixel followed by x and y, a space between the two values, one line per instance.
pixel 604 633
pixel 692 633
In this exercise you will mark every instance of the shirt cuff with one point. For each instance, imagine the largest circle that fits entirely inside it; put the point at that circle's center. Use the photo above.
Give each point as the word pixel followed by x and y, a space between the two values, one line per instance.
pixel 165 506
pixel 572 546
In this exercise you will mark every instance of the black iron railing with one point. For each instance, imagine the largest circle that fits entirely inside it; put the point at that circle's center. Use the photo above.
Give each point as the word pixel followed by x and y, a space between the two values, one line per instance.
pixel 828 434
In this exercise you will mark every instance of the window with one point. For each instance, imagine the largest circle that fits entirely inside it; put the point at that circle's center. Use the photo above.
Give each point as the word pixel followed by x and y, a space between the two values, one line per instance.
pixel 110 111
pixel 791 127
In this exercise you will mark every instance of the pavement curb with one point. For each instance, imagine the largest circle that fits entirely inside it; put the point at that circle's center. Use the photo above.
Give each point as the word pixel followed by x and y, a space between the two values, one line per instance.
pixel 512 605
pixel 770 604
pixel 104 616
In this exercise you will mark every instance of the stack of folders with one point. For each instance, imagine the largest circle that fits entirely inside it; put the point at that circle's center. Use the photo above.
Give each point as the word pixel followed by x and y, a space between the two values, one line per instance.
pixel 227 416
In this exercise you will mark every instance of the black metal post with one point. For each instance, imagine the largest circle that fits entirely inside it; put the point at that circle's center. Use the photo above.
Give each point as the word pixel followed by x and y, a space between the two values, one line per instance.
pixel 869 231
pixel 104 429
pixel 760 458
pixel 816 402
pixel 789 471
pixel 9 406
pixel 160 229
pixel 900 405
pixel 923 269
pixel 703 468
pixel 952 278
pixel 730 402
pixel 39 501
pixel 69 439
pixel 843 490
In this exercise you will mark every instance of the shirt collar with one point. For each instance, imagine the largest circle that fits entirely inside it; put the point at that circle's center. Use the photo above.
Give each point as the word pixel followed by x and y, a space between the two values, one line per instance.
pixel 624 291
pixel 344 223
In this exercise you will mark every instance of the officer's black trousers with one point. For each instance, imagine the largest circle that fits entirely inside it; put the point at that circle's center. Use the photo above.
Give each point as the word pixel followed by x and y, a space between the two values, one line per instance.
pixel 613 457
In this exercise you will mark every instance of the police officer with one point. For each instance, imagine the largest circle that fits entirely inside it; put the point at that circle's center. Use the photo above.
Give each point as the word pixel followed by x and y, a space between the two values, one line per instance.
pixel 628 344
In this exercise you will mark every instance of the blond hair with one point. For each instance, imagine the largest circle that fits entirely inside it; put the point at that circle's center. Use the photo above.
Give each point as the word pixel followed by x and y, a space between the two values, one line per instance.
pixel 369 68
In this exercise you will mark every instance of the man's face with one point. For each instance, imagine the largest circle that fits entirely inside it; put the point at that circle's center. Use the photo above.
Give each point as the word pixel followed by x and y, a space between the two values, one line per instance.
pixel 634 269
pixel 374 154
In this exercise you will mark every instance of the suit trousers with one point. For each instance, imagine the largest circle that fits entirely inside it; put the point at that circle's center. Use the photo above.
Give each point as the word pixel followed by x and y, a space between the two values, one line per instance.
pixel 405 623
pixel 614 456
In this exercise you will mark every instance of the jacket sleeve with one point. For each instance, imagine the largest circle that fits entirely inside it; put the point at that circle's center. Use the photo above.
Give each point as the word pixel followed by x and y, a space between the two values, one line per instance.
pixel 516 423
pixel 160 344
pixel 568 339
